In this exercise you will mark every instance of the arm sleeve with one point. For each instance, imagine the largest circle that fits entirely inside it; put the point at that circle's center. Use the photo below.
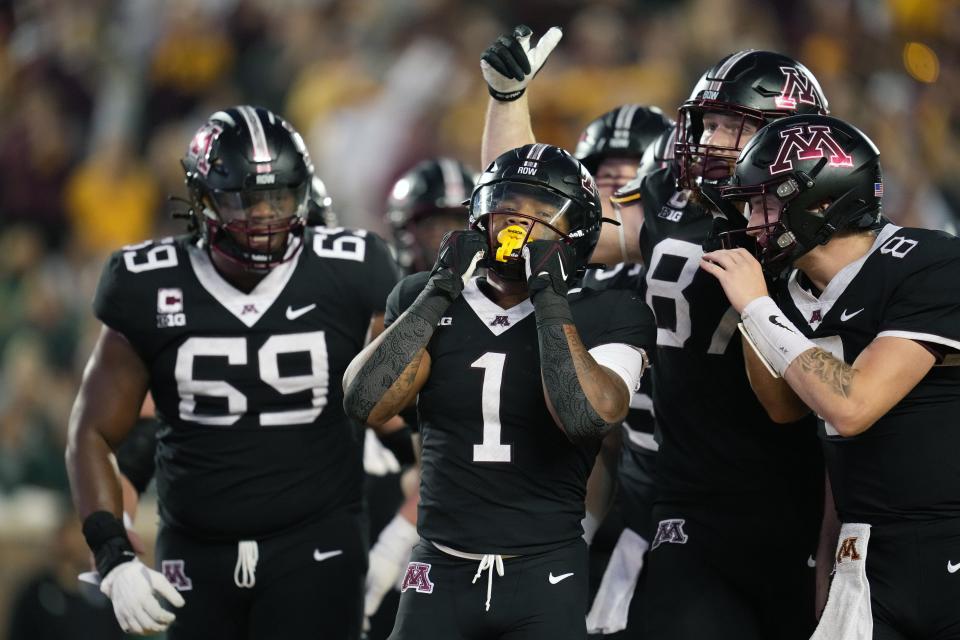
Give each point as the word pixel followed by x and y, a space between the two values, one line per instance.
pixel 403 295
pixel 382 273
pixel 925 307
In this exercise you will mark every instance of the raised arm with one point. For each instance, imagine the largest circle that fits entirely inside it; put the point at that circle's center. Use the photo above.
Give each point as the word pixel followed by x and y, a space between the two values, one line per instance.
pixel 384 377
pixel 508 65
pixel 586 399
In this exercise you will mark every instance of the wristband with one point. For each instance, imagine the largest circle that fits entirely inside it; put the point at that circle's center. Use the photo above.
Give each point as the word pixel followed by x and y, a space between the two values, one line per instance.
pixel 107 538
pixel 776 340
pixel 499 96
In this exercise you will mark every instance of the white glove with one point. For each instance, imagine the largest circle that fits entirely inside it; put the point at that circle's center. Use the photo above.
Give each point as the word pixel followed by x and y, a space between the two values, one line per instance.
pixel 131 586
pixel 388 561
pixel 510 63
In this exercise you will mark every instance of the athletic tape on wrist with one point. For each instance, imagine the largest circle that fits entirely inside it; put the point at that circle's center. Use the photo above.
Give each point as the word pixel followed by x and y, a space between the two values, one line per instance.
pixel 773 337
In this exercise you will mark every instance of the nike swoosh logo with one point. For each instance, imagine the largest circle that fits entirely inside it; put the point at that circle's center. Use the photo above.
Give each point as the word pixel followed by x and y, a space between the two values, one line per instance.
pixel 845 316
pixel 563 576
pixel 563 272
pixel 775 320
pixel 325 555
pixel 952 568
pixel 293 314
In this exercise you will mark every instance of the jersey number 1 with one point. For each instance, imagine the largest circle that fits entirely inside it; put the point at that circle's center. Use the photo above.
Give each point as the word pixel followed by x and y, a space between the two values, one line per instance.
pixel 491 450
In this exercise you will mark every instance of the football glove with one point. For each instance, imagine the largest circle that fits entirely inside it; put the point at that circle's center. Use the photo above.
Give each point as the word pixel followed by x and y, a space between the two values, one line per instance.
pixel 460 251
pixel 388 561
pixel 548 263
pixel 131 587
pixel 510 63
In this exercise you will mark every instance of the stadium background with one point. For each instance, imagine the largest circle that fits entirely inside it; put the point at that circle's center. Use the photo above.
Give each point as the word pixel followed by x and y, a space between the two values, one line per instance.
pixel 98 99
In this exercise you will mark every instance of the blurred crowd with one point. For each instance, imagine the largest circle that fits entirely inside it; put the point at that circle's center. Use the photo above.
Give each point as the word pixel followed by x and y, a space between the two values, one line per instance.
pixel 98 99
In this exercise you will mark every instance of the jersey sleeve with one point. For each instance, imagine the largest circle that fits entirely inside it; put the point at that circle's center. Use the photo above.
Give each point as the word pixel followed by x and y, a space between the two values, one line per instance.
pixel 111 303
pixel 403 296
pixel 382 273
pixel 926 307
pixel 624 340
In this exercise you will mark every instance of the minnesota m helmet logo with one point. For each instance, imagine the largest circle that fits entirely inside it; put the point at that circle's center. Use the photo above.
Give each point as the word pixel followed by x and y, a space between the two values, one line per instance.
pixel 796 84
pixel 809 142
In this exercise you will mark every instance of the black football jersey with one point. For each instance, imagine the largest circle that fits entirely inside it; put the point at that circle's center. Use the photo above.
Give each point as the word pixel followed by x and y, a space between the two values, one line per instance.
pixel 906 465
pixel 248 385
pixel 638 425
pixel 498 475
pixel 716 438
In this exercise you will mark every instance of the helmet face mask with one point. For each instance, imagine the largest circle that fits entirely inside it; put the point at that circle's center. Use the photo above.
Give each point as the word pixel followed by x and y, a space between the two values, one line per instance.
pixel 249 176
pixel 700 159
pixel 535 192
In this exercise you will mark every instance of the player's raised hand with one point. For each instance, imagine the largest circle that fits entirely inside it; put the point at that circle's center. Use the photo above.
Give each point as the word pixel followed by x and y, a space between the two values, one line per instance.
pixel 132 588
pixel 739 273
pixel 460 251
pixel 548 263
pixel 510 62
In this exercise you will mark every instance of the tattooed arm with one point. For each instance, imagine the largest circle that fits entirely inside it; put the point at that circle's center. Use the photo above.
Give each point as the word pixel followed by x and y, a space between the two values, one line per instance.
pixel 586 400
pixel 387 375
pixel 853 397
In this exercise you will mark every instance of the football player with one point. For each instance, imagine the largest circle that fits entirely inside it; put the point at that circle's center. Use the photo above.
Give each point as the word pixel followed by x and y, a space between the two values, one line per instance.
pixel 237 330
pixel 862 330
pixel 424 204
pixel 730 486
pixel 518 379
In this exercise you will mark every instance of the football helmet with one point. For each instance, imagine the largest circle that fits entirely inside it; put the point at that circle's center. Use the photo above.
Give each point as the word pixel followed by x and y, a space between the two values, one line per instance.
pixel 535 192
pixel 248 173
pixel 624 132
pixel 811 176
pixel 320 211
pixel 747 89
pixel 423 204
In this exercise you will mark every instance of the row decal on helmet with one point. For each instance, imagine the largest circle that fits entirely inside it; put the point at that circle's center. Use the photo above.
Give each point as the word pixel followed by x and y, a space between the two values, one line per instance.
pixel 536 151
pixel 796 83
pixel 261 152
pixel 807 143
pixel 725 69
pixel 452 181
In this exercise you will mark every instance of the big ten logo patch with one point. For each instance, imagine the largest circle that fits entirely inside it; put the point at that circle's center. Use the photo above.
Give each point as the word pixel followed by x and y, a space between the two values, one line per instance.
pixel 848 550
pixel 173 571
pixel 670 531
pixel 417 577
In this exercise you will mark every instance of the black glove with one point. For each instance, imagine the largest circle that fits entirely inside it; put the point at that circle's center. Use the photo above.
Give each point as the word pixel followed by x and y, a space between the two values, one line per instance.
pixel 549 267
pixel 460 251
pixel 510 63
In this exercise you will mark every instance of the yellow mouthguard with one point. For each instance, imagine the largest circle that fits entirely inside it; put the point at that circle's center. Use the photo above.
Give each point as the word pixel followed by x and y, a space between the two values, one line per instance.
pixel 510 239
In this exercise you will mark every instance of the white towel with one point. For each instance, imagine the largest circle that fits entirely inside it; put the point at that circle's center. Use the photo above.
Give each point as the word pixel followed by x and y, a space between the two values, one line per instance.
pixel 612 603
pixel 848 615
